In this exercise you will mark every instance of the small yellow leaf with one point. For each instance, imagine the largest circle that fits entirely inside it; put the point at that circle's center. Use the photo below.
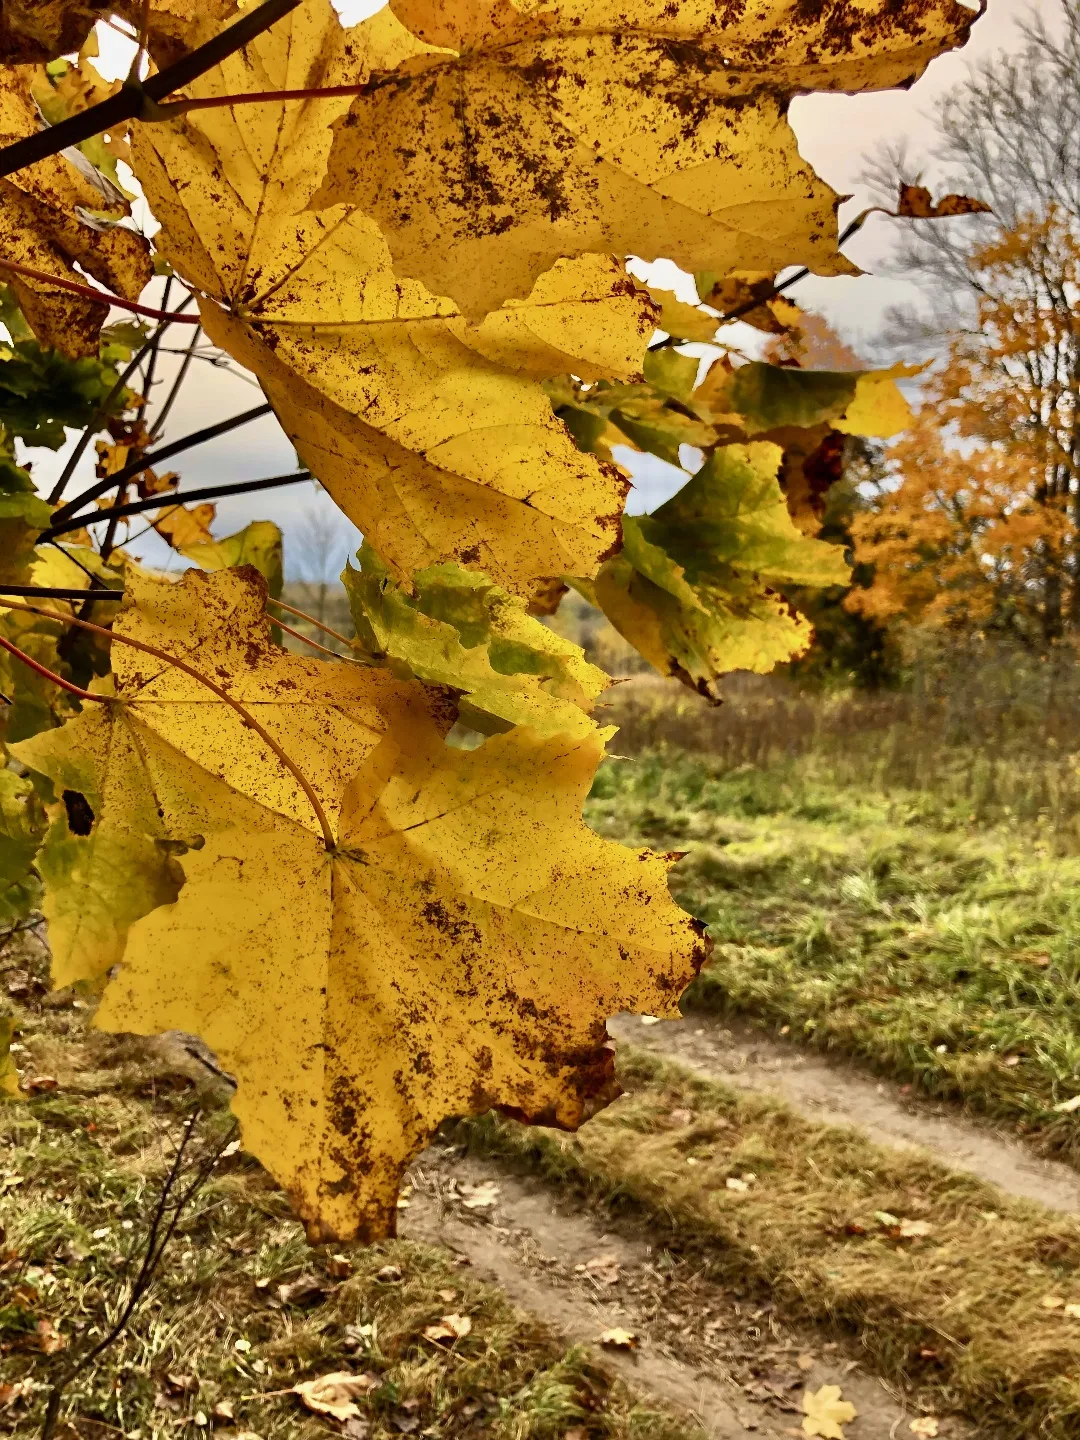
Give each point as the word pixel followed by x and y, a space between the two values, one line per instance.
pixel 619 1339
pixel 827 1413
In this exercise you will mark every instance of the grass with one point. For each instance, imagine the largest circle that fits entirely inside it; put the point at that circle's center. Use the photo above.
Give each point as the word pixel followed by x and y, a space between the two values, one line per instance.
pixel 80 1170
pixel 953 1307
pixel 940 952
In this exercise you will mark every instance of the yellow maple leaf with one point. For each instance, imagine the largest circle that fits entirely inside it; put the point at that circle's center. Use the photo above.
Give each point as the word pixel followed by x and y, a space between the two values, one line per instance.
pixel 826 1413
pixel 141 779
pixel 650 127
pixel 183 526
pixel 458 949
pixel 433 435
pixel 39 228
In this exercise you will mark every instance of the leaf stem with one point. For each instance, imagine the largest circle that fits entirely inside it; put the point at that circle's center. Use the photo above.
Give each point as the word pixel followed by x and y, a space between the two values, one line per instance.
pixel 43 670
pixel 299 635
pixel 174 660
pixel 138 98
pixel 147 462
pixel 181 376
pixel 303 615
pixel 175 108
pixel 91 292
pixel 135 507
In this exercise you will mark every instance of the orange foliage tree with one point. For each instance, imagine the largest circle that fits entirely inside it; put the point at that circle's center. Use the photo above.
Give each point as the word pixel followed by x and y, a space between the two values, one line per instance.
pixel 977 525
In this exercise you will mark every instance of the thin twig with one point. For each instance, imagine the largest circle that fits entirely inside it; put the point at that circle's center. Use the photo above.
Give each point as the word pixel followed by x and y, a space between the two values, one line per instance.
pixel 181 376
pixel 245 715
pixel 91 292
pixel 46 673
pixel 208 492
pixel 771 294
pixel 155 457
pixel 54 592
pixel 299 635
pixel 303 615
pixel 141 97
pixel 104 408
pixel 154 1251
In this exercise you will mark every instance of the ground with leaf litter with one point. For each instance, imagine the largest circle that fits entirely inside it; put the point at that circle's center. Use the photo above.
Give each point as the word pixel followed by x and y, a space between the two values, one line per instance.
pixel 568 1288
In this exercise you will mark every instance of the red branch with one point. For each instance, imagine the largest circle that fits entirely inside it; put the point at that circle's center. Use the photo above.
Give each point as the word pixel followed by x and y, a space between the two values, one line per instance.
pixel 91 292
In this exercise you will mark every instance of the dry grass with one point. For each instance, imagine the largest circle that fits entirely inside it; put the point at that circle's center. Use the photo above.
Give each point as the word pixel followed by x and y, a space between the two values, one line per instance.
pixel 80 1170
pixel 958 1310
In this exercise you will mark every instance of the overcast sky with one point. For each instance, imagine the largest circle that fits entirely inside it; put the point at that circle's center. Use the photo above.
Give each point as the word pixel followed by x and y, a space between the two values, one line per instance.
pixel 836 133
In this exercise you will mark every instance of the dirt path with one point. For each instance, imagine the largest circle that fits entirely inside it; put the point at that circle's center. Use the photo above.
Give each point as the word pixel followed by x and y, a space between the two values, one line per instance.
pixel 731 1363
pixel 832 1092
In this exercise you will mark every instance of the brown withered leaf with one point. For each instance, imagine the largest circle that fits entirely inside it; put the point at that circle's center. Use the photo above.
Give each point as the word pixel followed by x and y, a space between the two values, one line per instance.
pixel 917 203
pixel 40 228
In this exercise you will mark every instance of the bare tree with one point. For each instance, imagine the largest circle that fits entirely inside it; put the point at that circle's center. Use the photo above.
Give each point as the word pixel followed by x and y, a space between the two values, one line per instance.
pixel 1010 135
pixel 317 548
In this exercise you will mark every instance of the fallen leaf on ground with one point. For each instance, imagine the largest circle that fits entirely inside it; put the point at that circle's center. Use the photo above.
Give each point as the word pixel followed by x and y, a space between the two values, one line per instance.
pixel 389 1275
pixel 1051 1302
pixel 339 1267
pixel 805 1362
pixel 604 1268
pixel 681 1117
pixel 40 1084
pixel 479 1197
pixel 1073 1312
pixel 734 1183
pixel 449 1327
pixel 827 1413
pixel 620 1339
pixel 925 1426
pixel 305 1291
pixel 332 1394
pixel 49 1338
pixel 1066 1107
pixel 915 1229
pixel 223 1410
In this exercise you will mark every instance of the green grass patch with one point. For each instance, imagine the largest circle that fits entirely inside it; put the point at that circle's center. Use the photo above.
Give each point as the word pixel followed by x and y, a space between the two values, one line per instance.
pixel 940 954
pixel 942 1278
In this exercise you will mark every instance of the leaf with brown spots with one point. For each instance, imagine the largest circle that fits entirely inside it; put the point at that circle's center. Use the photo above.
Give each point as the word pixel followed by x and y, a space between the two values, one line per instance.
pixel 140 780
pixel 652 127
pixel 459 949
pixel 40 227
pixel 432 434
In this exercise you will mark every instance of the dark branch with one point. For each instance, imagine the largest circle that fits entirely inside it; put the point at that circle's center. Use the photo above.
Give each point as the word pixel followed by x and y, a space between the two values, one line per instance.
pixel 169 499
pixel 147 462
pixel 53 592
pixel 136 98
pixel 104 409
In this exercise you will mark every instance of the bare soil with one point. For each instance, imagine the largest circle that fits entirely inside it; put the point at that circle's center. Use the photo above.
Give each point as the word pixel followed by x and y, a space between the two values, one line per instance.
pixel 832 1092
pixel 732 1363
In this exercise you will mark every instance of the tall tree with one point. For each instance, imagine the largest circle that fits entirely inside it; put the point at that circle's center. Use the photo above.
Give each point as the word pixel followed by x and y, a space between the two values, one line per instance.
pixel 981 526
